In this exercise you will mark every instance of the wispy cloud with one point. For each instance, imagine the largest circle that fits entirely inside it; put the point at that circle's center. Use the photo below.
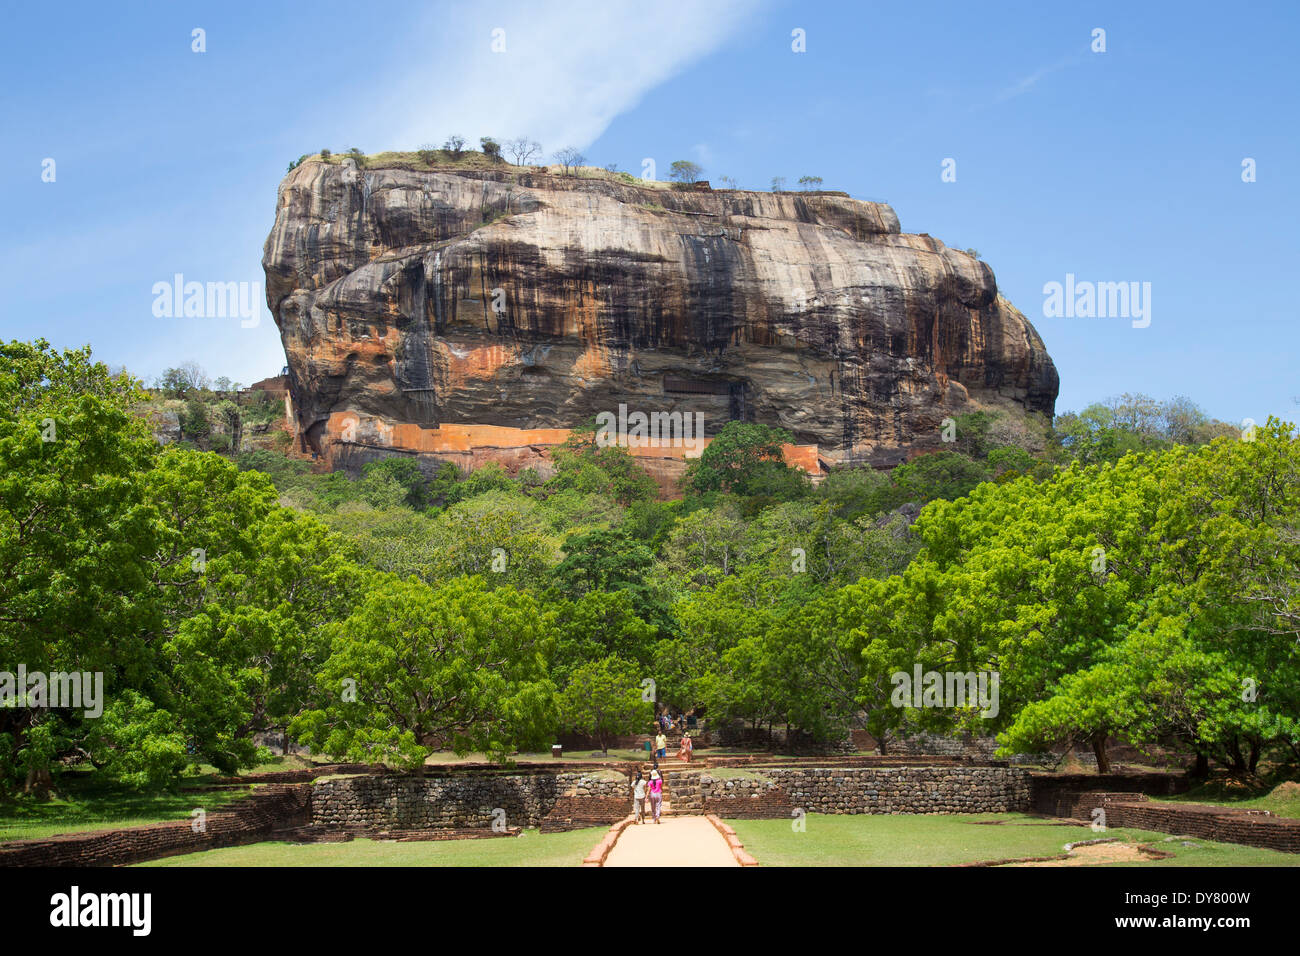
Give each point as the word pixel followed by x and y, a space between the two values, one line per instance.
pixel 1027 83
pixel 565 72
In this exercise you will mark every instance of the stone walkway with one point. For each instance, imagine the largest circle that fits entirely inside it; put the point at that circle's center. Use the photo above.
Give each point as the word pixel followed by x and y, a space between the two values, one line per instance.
pixel 678 841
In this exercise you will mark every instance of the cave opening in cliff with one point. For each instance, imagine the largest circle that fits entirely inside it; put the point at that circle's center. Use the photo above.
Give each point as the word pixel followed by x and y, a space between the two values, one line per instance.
pixel 736 392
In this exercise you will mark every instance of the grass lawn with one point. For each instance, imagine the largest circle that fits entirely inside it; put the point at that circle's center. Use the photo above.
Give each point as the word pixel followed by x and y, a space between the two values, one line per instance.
pixel 922 840
pixel 82 806
pixel 1283 800
pixel 206 772
pixel 530 849
pixel 735 773
pixel 83 802
pixel 585 756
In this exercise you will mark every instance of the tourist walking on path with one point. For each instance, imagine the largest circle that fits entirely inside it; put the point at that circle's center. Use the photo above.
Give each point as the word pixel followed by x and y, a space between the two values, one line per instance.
pixel 656 792
pixel 661 745
pixel 684 751
pixel 638 797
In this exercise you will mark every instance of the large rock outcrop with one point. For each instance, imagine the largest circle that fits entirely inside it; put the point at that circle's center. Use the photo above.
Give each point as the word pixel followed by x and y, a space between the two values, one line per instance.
pixel 512 297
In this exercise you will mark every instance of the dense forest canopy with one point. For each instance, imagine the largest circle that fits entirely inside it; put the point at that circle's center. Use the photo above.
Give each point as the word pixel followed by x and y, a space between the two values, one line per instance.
pixel 1129 572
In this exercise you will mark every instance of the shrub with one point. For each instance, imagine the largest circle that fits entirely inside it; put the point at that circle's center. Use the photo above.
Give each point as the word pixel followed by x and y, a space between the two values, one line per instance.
pixel 193 419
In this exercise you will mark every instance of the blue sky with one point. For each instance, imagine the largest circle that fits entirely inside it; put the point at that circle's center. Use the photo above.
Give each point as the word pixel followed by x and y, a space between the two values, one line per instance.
pixel 1117 166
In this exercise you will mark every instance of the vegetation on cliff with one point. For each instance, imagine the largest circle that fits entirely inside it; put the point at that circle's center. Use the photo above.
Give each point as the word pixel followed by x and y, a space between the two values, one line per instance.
pixel 186 406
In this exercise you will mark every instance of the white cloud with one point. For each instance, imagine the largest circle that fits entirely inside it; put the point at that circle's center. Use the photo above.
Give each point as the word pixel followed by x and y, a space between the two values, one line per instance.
pixel 1028 82
pixel 567 71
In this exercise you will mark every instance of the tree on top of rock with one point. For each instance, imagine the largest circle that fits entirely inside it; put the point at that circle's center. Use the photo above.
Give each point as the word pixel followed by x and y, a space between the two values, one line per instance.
pixel 523 149
pixel 685 172
pixel 570 157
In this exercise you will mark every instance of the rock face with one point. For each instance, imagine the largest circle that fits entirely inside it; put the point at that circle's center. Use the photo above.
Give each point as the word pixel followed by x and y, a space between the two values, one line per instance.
pixel 516 298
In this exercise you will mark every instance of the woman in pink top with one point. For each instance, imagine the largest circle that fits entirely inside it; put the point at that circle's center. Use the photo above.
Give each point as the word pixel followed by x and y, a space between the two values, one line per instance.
pixel 656 792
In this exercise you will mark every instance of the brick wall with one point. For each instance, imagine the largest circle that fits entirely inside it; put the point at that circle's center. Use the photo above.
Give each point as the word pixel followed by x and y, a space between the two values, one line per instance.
pixel 1057 793
pixel 269 808
pixel 574 812
pixel 1220 824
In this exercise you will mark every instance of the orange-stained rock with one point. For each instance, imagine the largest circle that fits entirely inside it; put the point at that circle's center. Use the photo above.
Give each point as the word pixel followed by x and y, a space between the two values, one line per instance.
pixel 470 313
pixel 349 440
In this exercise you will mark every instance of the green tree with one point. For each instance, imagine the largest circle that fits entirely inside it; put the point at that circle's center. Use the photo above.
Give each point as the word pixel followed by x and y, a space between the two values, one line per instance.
pixel 415 668
pixel 603 699
pixel 855 492
pixel 185 379
pixel 243 663
pixel 1112 600
pixel 940 475
pixel 602 560
pixel 705 546
pixel 501 535
pixel 136 743
pixel 581 464
pixel 228 414
pixel 743 458
pixel 685 172
pixel 451 486
pixel 610 560
pixel 599 624
pixel 403 472
pixel 194 422
pixel 76 533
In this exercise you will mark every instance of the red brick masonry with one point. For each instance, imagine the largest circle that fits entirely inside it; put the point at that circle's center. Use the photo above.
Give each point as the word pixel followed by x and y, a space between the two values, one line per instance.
pixel 1220 824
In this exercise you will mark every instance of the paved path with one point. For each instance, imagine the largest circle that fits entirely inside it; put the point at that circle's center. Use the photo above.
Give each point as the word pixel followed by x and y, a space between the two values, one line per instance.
pixel 678 841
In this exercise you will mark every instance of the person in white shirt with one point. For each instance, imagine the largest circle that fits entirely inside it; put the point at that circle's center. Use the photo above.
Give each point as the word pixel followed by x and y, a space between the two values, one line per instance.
pixel 638 797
